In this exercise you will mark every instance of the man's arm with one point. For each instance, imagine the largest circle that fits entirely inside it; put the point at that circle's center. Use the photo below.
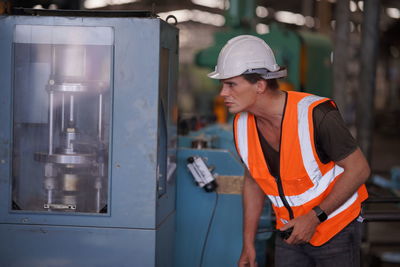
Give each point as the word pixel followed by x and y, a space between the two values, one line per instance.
pixel 253 203
pixel 356 172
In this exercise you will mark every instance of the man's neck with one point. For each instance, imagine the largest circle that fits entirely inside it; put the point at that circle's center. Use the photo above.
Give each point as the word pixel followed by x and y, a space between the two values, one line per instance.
pixel 270 107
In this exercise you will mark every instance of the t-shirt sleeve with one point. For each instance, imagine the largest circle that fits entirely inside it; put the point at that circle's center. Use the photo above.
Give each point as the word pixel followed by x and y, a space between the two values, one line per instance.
pixel 334 141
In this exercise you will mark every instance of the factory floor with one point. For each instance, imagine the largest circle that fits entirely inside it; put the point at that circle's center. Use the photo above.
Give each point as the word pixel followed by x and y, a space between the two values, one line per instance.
pixel 382 239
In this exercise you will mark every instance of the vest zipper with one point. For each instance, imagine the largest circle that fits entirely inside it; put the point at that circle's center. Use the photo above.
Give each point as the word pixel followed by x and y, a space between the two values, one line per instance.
pixel 282 197
pixel 278 179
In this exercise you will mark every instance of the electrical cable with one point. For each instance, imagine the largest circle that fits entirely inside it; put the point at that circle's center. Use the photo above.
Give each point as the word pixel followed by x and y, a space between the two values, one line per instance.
pixel 208 229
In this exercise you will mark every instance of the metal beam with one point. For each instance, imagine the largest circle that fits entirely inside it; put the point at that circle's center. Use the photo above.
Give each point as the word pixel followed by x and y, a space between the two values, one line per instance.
pixel 324 14
pixel 340 55
pixel 162 7
pixel 368 64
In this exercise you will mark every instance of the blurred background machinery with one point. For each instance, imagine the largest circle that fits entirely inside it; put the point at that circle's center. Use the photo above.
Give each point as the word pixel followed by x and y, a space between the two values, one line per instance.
pixel 304 53
pixel 88 138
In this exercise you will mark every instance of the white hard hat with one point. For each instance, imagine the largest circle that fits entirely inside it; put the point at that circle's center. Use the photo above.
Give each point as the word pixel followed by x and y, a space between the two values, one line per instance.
pixel 246 54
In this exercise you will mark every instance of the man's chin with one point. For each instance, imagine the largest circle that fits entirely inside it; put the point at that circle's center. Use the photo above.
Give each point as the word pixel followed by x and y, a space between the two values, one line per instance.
pixel 233 110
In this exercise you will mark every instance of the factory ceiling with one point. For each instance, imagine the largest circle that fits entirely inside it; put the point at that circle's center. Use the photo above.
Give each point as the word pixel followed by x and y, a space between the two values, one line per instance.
pixel 294 6
pixel 216 9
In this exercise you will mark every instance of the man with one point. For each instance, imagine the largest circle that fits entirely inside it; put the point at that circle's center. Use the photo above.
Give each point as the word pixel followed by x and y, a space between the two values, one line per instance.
pixel 298 152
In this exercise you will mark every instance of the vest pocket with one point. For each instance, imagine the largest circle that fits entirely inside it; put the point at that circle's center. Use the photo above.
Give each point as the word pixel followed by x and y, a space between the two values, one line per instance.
pixel 296 185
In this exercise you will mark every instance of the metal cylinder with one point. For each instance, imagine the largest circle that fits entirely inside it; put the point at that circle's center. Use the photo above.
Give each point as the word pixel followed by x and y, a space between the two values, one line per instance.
pixel 70 62
pixel 69 137
pixel 70 182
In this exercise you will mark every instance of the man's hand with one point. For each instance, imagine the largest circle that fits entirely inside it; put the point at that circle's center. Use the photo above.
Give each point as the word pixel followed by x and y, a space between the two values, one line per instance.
pixel 248 257
pixel 303 228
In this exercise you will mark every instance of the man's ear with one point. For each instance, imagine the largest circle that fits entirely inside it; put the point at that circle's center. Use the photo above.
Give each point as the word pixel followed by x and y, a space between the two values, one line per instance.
pixel 261 86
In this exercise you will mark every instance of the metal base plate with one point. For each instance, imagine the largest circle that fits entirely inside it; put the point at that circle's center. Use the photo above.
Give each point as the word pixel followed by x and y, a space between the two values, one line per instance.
pixel 77 159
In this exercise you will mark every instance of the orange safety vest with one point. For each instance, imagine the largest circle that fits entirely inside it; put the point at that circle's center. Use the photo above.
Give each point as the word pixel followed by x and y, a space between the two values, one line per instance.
pixel 306 181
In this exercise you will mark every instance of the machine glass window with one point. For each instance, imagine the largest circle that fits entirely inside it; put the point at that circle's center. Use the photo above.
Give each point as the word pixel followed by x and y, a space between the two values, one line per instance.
pixel 61 118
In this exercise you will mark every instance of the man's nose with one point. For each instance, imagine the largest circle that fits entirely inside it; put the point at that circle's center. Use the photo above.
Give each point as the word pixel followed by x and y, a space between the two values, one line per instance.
pixel 224 91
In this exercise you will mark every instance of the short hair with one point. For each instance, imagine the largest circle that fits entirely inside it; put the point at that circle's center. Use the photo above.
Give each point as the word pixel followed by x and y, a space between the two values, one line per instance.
pixel 255 77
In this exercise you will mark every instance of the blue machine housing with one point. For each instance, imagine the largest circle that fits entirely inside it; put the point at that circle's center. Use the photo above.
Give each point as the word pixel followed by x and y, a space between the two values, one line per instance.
pixel 138 227
pixel 209 224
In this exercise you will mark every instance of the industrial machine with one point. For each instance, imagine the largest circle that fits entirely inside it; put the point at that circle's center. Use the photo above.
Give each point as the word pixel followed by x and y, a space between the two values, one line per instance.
pixel 209 218
pixel 88 138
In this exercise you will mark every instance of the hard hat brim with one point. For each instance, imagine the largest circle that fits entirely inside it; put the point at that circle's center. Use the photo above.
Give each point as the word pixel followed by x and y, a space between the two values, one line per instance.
pixel 213 75
pixel 219 76
pixel 265 75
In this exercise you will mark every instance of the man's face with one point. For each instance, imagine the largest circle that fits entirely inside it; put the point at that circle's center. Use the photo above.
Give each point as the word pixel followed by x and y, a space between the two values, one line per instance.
pixel 239 95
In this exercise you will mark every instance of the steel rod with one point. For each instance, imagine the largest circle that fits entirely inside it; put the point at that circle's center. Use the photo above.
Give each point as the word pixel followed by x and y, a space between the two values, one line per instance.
pixel 53 61
pixel 50 196
pixel 98 193
pixel 62 113
pixel 100 116
pixel 51 115
pixel 71 108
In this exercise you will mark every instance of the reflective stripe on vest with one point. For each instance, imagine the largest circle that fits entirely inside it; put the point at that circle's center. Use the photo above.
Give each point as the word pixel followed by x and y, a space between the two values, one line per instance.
pixel 242 142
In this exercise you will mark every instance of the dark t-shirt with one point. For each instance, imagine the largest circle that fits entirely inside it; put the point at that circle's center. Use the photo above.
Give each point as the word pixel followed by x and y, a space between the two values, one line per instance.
pixel 333 140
